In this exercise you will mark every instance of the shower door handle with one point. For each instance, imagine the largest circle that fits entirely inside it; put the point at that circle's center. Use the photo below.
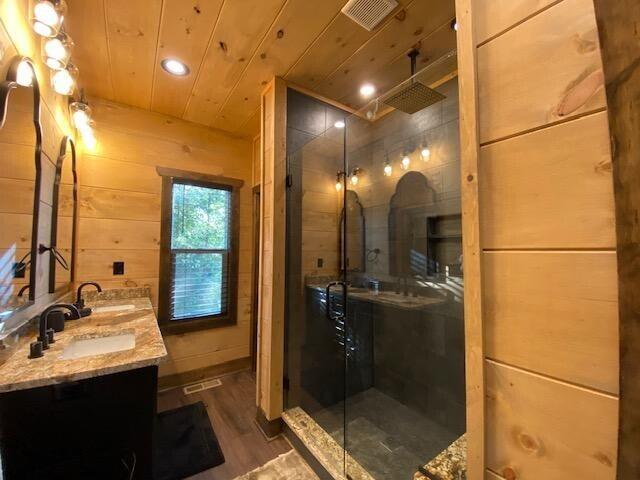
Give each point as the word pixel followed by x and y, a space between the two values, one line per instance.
pixel 330 285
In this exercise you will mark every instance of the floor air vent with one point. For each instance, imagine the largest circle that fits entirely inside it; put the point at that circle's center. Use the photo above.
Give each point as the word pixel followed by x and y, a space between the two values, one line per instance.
pixel 368 13
pixel 198 387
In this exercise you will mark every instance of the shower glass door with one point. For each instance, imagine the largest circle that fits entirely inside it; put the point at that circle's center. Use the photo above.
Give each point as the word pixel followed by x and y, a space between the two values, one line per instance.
pixel 402 244
pixel 315 327
pixel 374 368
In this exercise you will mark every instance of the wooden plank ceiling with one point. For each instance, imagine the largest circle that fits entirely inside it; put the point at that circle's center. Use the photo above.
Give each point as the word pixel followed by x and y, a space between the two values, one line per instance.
pixel 233 47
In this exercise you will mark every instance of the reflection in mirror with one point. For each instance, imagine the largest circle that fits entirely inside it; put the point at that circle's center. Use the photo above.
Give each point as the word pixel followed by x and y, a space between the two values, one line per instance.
pixel 355 241
pixel 17 183
pixel 65 201
pixel 423 241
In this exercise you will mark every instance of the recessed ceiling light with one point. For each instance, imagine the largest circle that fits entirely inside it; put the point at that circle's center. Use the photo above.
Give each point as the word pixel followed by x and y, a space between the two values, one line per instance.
pixel 339 124
pixel 367 90
pixel 175 67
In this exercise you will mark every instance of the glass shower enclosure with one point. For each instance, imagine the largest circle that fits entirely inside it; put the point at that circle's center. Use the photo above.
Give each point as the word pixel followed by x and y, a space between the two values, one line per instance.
pixel 374 364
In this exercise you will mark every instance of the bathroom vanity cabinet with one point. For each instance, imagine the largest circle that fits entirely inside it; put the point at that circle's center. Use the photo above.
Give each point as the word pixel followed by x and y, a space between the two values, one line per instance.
pixel 97 428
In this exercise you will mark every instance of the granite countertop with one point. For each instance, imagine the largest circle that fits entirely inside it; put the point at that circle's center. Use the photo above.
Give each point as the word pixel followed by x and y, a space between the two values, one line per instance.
pixel 20 372
pixel 450 464
pixel 391 299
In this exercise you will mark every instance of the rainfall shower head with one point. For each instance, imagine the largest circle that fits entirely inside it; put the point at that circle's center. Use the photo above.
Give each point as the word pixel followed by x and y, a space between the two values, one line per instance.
pixel 415 96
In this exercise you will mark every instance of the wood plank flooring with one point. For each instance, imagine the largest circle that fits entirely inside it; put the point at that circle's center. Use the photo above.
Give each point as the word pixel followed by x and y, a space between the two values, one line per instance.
pixel 231 408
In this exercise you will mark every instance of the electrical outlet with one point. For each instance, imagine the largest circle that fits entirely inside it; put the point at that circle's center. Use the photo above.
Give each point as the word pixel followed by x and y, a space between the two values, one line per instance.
pixel 320 262
pixel 118 268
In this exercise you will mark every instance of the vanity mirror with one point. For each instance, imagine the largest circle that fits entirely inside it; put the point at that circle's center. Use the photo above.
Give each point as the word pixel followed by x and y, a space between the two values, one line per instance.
pixel 20 178
pixel 355 241
pixel 64 219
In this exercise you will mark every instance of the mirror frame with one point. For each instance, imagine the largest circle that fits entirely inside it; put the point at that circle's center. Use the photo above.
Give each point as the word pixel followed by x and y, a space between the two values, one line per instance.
pixel 6 87
pixel 66 140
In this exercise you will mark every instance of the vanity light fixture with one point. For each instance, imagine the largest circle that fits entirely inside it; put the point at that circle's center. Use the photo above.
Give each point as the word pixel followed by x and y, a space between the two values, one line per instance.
pixel 354 176
pixel 174 67
pixel 367 90
pixel 406 161
pixel 388 169
pixel 64 81
pixel 339 177
pixel 56 51
pixel 339 124
pixel 48 16
pixel 425 153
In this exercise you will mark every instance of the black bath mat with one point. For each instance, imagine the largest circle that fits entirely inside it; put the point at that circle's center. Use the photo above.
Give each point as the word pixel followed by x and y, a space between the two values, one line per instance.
pixel 185 443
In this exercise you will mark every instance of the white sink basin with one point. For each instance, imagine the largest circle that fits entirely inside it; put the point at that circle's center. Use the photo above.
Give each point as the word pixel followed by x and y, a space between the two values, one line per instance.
pixel 113 309
pixel 87 347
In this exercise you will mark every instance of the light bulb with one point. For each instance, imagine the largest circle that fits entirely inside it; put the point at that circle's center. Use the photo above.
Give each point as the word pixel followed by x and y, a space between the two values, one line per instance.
pixel 45 12
pixel 47 17
pixel 24 74
pixel 63 82
pixel 354 179
pixel 367 90
pixel 80 119
pixel 56 51
pixel 339 124
pixel 406 161
pixel 175 67
pixel 388 170
pixel 425 153
pixel 43 30
pixel 338 186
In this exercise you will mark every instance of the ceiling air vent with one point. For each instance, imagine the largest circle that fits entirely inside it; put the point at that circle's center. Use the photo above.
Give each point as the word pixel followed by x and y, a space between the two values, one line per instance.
pixel 368 13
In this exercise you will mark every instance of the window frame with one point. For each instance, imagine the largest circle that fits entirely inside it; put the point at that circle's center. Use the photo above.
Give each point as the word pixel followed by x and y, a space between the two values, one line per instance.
pixel 171 177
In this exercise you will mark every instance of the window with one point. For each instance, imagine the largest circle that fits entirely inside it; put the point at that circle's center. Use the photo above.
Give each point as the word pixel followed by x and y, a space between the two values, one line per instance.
pixel 198 264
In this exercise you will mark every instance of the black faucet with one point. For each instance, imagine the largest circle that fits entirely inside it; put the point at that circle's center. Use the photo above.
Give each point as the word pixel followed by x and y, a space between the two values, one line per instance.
pixel 79 301
pixel 24 289
pixel 46 336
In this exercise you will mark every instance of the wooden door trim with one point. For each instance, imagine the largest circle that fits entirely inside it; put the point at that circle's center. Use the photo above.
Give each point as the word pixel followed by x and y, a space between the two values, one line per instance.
pixel 617 29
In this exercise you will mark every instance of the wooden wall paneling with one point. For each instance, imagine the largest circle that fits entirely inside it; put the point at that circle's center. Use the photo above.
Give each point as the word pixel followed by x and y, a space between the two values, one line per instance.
pixel 619 37
pixel 471 214
pixel 295 27
pixel 91 50
pixel 117 117
pixel 554 313
pixel 566 168
pixel 185 34
pixel 234 42
pixel 132 32
pixel 98 264
pixel 497 16
pixel 112 234
pixel 525 84
pixel 118 204
pixel 541 428
pixel 120 208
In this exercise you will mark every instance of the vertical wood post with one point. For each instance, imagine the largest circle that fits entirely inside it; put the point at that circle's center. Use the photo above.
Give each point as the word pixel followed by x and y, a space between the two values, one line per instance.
pixel 619 30
pixel 270 368
pixel 469 151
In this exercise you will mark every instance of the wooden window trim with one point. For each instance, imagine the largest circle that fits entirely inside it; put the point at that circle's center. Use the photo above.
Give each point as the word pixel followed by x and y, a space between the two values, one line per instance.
pixel 170 177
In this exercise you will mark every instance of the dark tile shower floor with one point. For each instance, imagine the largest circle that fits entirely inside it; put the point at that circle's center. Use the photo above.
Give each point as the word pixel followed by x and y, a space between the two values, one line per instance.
pixel 386 437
